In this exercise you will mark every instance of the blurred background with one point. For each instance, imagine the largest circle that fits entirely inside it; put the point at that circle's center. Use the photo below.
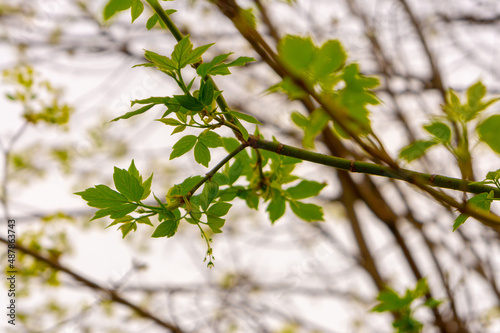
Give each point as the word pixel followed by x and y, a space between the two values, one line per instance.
pixel 73 73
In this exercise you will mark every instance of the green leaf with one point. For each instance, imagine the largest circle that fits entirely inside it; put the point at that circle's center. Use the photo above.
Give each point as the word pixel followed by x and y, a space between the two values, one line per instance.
pixel 189 102
pixel 329 58
pixel 195 55
pixel 201 154
pixel 219 209
pixel 132 170
pixel 488 132
pixel 115 211
pixel 127 227
pixel 415 150
pixel 481 202
pixel 137 8
pixel 182 146
pixel 420 289
pixel 160 61
pixel 210 191
pixel 215 223
pixel 276 207
pixel 152 21
pixel 307 212
pixel 318 120
pixel 182 52
pixel 127 184
pixel 299 119
pixel 167 229
pixel 475 93
pixel 205 68
pixel 460 220
pixel 123 219
pixel 134 113
pixel 146 185
pixel 114 6
pixel 151 100
pixel 245 117
pixel 210 139
pixel 101 196
pixel 144 220
pixel 390 301
pixel 186 185
pixel 440 131
pixel 305 189
pixel 206 95
pixel 235 171
pixel 297 53
pixel 240 61
pixel 170 122
pixel 242 129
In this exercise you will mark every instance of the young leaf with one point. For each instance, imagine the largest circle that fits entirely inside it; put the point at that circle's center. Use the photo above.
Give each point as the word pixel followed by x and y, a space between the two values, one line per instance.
pixel 415 150
pixel 319 119
pixel 481 201
pixel 215 223
pixel 146 185
pixel 160 61
pixel 242 129
pixel 205 68
pixel 299 119
pixel 151 100
pixel 196 54
pixel 488 132
pixel 144 220
pixel 296 53
pixel 114 6
pixel 152 21
pixel 167 229
pixel 206 95
pixel 128 185
pixel 127 227
pixel 219 209
pixel 182 146
pixel 305 189
pixel 170 122
pixel 440 131
pixel 276 207
pixel 201 154
pixel 240 61
pixel 189 102
pixel 210 191
pixel 328 59
pixel 134 113
pixel 101 196
pixel 115 211
pixel 210 139
pixel 132 170
pixel 245 117
pixel 137 8
pixel 307 212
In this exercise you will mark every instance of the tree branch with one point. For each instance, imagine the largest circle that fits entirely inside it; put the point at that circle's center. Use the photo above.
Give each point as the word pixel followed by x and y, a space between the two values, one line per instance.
pixel 113 295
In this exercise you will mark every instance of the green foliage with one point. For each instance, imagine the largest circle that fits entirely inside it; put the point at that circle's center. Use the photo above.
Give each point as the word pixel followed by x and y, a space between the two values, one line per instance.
pixel 480 202
pixel 403 306
pixel 452 131
pixel 488 132
pixel 324 69
pixel 39 99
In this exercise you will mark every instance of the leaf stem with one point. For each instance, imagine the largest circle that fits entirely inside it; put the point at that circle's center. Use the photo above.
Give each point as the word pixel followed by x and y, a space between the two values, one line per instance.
pixel 212 172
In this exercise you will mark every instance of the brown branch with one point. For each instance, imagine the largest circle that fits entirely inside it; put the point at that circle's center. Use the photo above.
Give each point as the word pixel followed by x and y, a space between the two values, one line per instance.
pixel 111 294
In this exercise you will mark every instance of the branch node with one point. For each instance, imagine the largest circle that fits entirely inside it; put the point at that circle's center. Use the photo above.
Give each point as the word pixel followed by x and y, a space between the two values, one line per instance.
pixel 352 166
pixel 279 148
